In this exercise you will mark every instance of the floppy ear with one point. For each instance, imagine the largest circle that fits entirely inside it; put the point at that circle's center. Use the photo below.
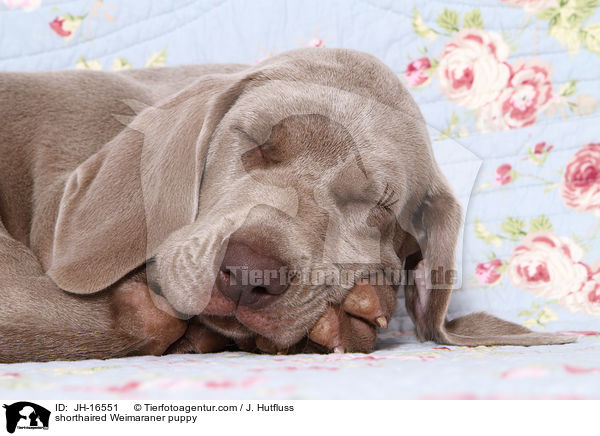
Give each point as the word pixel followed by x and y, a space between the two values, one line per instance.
pixel 120 204
pixel 436 228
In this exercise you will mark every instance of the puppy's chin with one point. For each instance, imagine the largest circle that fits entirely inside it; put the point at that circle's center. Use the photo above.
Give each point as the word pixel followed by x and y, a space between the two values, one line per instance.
pixel 276 323
pixel 244 323
pixel 247 324
pixel 281 331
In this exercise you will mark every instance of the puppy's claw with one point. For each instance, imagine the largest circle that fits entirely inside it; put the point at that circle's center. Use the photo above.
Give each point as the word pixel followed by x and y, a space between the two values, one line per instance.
pixel 339 350
pixel 381 322
pixel 364 302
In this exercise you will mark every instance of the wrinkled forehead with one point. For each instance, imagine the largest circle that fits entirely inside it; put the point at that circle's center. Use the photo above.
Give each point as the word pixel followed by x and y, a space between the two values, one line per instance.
pixel 377 136
pixel 262 106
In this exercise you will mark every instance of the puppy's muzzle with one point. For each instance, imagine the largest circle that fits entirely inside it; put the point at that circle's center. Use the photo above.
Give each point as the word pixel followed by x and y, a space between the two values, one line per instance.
pixel 250 277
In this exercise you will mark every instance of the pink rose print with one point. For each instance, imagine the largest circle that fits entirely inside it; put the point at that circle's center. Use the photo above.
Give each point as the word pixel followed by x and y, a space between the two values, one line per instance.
pixel 531 90
pixel 504 175
pixel 315 42
pixel 587 298
pixel 541 148
pixel 57 25
pixel 415 73
pixel 528 93
pixel 572 369
pixel 580 332
pixel 580 184
pixel 472 69
pixel 487 272
pixel 547 265
pixel 525 372
pixel 66 25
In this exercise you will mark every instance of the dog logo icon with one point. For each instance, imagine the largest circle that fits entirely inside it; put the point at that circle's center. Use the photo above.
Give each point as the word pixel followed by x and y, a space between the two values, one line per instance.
pixel 26 415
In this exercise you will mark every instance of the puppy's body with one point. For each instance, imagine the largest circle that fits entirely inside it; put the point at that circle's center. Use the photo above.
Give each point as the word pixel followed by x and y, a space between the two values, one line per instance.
pixel 100 172
pixel 53 121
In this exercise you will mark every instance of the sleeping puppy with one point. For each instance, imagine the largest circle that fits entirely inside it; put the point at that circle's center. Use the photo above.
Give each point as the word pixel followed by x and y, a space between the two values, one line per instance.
pixel 185 209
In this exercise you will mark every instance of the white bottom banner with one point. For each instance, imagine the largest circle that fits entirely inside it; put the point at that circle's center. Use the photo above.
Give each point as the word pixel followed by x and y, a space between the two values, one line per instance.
pixel 299 417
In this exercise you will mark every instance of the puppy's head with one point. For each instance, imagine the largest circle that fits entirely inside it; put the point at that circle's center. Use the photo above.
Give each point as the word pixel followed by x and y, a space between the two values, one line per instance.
pixel 261 197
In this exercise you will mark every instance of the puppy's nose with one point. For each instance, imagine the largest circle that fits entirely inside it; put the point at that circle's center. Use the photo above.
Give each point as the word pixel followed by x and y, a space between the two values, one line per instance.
pixel 249 277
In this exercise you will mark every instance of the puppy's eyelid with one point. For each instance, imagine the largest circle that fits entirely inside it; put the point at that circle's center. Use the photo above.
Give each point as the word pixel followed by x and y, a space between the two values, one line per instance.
pixel 387 199
pixel 265 150
pixel 267 153
pixel 260 156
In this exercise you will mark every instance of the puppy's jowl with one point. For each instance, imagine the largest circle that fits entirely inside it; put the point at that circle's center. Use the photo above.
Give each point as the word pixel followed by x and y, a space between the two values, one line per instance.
pixel 279 207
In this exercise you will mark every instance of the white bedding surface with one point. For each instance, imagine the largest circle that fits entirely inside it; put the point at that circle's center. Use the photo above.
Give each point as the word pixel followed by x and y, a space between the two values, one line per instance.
pixel 400 369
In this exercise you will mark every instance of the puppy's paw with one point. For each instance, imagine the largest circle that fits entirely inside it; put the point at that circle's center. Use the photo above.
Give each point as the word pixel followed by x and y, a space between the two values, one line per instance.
pixel 352 326
pixel 348 327
pixel 199 339
pixel 145 317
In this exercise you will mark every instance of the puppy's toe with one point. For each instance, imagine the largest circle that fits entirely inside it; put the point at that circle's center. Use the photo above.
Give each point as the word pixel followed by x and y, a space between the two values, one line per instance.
pixel 339 332
pixel 182 346
pixel 352 327
pixel 374 304
pixel 328 330
pixel 199 339
pixel 266 346
pixel 361 337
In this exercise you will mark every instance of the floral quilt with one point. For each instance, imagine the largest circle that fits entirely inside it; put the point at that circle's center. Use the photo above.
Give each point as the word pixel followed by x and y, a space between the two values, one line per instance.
pixel 511 92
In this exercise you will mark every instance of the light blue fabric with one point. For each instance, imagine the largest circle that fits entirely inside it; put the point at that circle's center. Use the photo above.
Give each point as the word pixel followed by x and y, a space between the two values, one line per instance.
pixel 404 369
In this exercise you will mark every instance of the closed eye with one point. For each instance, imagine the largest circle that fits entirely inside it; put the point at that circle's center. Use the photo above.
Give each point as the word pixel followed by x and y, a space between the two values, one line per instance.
pixel 259 157
pixel 381 215
pixel 387 199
